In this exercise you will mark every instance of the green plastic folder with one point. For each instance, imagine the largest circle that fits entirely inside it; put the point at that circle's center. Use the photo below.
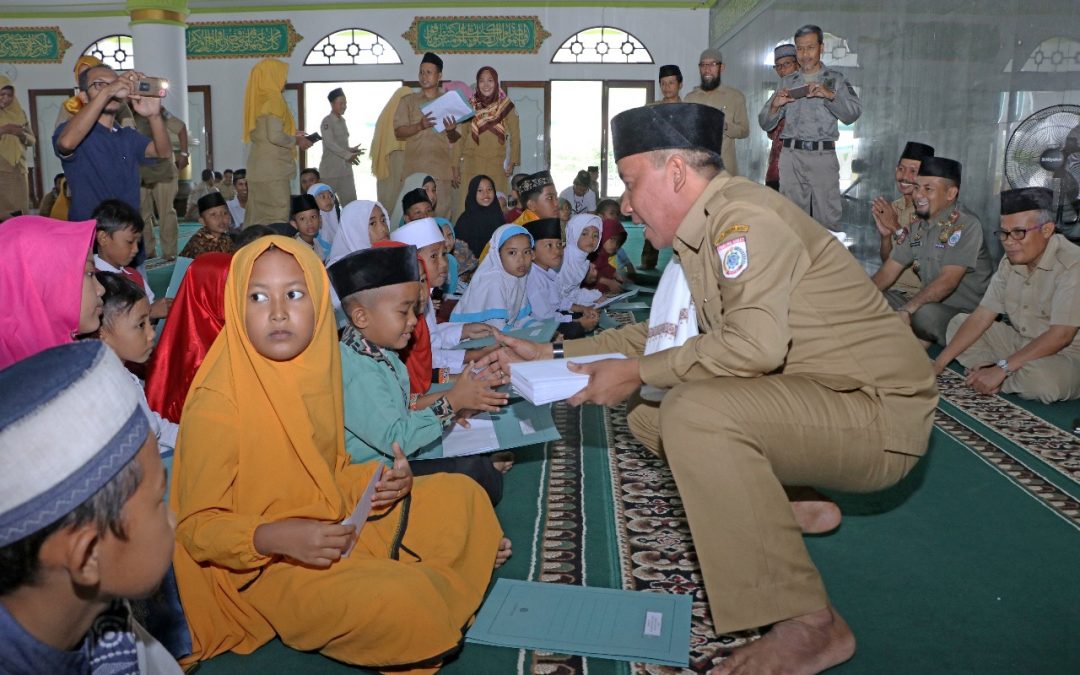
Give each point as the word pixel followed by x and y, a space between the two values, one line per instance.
pixel 178 273
pixel 533 331
pixel 606 623
pixel 514 426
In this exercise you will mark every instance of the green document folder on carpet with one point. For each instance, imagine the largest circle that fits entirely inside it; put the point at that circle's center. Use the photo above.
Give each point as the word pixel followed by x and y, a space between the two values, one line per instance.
pixel 599 622
pixel 533 331
pixel 514 426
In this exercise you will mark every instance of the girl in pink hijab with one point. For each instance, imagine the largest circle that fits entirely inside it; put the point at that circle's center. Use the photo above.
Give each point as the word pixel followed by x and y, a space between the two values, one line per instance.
pixel 47 287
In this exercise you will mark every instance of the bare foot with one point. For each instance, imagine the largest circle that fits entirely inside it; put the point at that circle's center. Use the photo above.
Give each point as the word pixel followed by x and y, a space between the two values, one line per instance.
pixel 503 461
pixel 814 512
pixel 503 554
pixel 804 645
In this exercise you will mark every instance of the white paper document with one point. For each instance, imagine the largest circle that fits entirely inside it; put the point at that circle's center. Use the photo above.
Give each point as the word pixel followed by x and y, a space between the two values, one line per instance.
pixel 478 438
pixel 363 508
pixel 541 382
pixel 450 104
pixel 600 304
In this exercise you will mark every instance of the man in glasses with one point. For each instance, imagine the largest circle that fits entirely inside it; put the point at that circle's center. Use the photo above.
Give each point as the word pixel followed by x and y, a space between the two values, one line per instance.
pixel 784 63
pixel 1035 351
pixel 100 158
pixel 722 97
pixel 945 249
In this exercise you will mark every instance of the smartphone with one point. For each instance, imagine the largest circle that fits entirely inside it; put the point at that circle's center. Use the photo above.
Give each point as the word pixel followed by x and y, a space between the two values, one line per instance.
pixel 799 92
pixel 154 87
pixel 314 138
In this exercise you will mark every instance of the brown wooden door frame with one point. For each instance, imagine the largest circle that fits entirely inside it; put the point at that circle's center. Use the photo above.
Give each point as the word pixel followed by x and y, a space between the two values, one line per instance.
pixel 43 140
pixel 604 140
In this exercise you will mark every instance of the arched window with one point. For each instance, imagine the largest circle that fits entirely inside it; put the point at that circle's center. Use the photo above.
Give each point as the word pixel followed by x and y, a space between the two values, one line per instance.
pixel 602 44
pixel 350 47
pixel 115 51
pixel 1054 55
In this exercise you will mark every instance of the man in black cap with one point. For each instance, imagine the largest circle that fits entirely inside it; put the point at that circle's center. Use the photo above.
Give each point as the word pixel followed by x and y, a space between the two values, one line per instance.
pixel 945 249
pixel 894 220
pixel 722 97
pixel 800 375
pixel 214 235
pixel 1037 287
pixel 426 150
pixel 784 63
pixel 670 84
pixel 338 157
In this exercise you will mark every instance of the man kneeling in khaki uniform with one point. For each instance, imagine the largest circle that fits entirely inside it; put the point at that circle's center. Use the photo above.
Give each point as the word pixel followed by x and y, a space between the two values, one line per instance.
pixel 800 376
pixel 1037 286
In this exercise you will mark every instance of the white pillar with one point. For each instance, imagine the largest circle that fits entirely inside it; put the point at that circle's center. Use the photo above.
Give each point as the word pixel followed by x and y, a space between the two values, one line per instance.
pixel 161 51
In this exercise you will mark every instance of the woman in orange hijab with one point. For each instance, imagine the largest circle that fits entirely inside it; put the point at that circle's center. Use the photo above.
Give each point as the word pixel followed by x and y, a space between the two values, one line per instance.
pixel 270 129
pixel 262 482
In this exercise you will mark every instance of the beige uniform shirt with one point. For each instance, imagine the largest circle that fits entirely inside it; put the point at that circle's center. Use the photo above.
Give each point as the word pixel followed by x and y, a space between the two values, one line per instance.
pixel 953 236
pixel 733 103
pixel 427 152
pixel 160 170
pixel 336 153
pixel 778 294
pixel 273 152
pixel 1047 296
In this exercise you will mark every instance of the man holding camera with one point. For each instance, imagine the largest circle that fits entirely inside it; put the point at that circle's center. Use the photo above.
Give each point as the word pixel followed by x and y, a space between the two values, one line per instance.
pixel 811 101
pixel 101 159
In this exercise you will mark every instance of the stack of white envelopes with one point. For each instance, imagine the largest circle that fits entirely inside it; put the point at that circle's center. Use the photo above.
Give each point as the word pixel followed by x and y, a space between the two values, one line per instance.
pixel 541 382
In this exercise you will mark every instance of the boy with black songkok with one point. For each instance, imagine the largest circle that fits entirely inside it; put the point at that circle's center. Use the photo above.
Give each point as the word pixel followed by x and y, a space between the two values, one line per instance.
pixel 542 287
pixel 214 235
pixel 83 524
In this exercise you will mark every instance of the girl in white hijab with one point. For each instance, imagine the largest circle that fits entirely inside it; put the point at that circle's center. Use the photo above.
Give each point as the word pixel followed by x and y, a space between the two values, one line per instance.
pixel 576 259
pixel 497 293
pixel 363 224
pixel 329 212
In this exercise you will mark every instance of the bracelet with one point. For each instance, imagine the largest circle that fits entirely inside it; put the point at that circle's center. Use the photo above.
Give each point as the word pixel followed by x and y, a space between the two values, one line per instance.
pixel 557 350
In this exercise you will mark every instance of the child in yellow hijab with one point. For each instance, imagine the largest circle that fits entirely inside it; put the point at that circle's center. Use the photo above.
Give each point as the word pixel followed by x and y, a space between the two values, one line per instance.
pixel 262 483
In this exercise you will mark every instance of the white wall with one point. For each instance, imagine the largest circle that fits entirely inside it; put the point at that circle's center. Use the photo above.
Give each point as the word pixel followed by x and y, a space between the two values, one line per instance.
pixel 672 36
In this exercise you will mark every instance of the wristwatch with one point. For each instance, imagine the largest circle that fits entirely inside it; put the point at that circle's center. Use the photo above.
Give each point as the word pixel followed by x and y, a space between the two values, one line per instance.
pixel 557 350
pixel 1004 365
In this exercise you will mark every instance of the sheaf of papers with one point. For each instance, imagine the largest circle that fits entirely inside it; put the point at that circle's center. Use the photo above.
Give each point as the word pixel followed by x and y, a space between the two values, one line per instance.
pixel 360 514
pixel 615 298
pixel 478 438
pixel 587 621
pixel 541 382
pixel 450 104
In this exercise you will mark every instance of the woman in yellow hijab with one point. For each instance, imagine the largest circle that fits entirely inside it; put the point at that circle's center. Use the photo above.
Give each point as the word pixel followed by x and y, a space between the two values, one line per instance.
pixel 15 138
pixel 262 482
pixel 271 130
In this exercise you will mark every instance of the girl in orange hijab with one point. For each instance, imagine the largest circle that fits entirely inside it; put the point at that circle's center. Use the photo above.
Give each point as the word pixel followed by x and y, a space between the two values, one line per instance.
pixel 262 482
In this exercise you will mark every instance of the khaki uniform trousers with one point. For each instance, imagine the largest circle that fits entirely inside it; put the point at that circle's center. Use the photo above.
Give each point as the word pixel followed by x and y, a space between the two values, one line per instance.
pixel 1049 379
pixel 811 179
pixel 930 321
pixel 268 202
pixel 160 195
pixel 733 444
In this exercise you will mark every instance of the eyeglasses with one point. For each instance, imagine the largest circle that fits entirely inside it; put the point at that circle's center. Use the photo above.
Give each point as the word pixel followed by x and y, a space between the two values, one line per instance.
pixel 98 84
pixel 1017 234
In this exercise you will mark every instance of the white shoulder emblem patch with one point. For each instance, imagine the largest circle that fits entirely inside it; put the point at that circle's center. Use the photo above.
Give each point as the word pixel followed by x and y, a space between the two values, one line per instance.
pixel 954 238
pixel 734 258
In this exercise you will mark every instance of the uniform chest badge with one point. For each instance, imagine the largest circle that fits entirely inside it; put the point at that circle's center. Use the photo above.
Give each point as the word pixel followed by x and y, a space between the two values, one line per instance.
pixel 943 236
pixel 734 258
pixel 954 238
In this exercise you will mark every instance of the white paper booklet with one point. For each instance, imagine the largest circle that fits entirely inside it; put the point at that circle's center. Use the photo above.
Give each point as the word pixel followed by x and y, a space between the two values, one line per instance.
pixel 477 439
pixel 541 382
pixel 363 509
pixel 450 104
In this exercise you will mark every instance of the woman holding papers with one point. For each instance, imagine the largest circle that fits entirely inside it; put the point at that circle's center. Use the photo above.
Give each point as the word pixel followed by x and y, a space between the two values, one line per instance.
pixel 492 144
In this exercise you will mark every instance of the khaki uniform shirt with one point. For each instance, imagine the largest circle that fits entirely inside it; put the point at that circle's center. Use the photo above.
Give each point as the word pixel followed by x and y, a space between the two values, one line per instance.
pixel 1047 296
pixel 776 293
pixel 273 152
pixel 161 170
pixel 905 215
pixel 427 152
pixel 953 236
pixel 336 153
pixel 736 125
pixel 814 119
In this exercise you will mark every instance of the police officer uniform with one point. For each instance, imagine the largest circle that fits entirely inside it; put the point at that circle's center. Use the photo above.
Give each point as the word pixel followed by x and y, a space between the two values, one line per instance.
pixel 335 167
pixel 1032 301
pixel 801 375
pixel 809 169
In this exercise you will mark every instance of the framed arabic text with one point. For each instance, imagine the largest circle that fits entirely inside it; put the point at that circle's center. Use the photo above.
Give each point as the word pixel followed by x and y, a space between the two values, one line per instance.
pixel 476 34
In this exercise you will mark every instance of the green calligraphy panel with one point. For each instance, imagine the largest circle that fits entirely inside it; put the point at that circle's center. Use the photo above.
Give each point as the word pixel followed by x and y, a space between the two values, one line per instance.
pixel 32 45
pixel 241 39
pixel 476 34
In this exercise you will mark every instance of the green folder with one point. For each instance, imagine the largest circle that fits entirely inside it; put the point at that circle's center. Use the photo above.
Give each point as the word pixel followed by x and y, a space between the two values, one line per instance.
pixel 533 331
pixel 514 426
pixel 606 623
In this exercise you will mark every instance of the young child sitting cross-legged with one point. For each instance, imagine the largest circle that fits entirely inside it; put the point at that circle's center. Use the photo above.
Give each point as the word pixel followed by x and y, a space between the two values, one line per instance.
pixel 262 482
pixel 117 231
pixel 304 215
pixel 542 283
pixel 497 294
pixel 380 290
pixel 83 526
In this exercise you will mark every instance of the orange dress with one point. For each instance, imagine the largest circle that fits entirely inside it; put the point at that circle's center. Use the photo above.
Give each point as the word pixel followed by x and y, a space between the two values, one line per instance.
pixel 262 441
